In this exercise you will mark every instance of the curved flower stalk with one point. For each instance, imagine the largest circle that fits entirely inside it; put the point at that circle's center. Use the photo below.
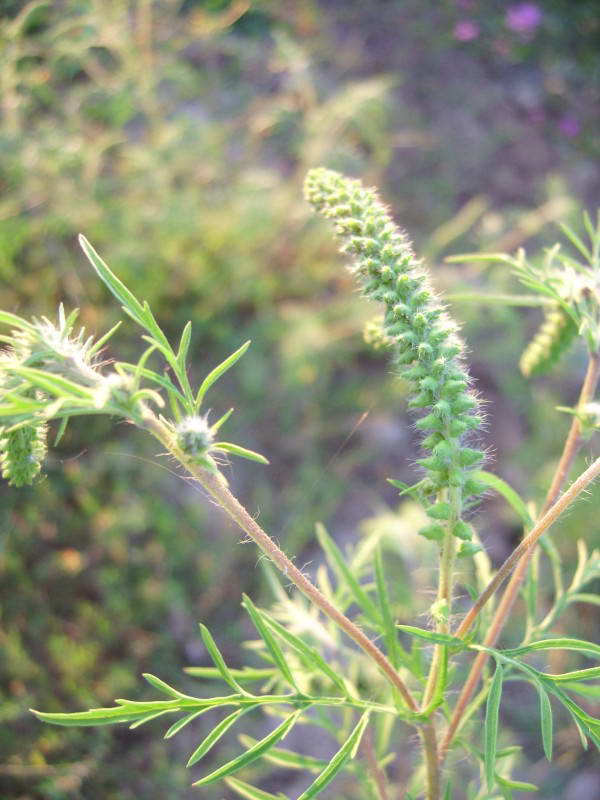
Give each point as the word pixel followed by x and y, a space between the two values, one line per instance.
pixel 422 337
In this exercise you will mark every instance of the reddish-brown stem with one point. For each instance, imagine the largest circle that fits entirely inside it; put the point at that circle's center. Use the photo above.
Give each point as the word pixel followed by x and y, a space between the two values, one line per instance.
pixel 375 769
pixel 216 487
pixel 552 508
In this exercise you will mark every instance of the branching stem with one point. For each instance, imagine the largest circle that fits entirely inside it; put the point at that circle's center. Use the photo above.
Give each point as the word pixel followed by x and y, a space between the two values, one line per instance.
pixel 521 556
pixel 215 486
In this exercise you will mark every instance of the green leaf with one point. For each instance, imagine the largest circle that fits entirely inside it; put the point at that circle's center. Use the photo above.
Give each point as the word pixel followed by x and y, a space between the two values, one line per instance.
pixel 130 303
pixel 272 645
pixel 509 494
pixel 218 659
pixel 394 649
pixel 54 384
pixel 213 737
pixel 433 636
pixel 161 380
pixel 95 716
pixel 287 758
pixel 576 241
pixel 245 674
pixel 520 786
pixel 345 575
pixel 181 723
pixel 251 792
pixel 311 654
pixel 147 718
pixel 184 345
pixel 579 645
pixel 576 675
pixel 490 734
pixel 99 344
pixel 16 322
pixel 162 686
pixel 585 597
pixel 236 450
pixel 546 722
pixel 255 752
pixel 216 373
pixel 337 763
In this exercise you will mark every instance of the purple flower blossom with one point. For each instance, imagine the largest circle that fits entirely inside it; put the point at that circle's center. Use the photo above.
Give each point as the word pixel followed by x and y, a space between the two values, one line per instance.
pixel 524 17
pixel 569 126
pixel 465 30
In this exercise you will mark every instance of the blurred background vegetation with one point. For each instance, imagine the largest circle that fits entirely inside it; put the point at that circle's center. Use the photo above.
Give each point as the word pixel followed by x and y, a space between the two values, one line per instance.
pixel 176 135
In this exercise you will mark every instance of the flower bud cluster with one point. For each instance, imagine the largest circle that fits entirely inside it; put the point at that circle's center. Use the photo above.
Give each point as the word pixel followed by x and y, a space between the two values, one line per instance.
pixel 422 336
pixel 194 436
pixel 22 453
pixel 549 344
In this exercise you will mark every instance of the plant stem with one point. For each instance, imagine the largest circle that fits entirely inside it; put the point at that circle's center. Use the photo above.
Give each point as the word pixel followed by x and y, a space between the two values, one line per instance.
pixel 376 771
pixel 522 553
pixel 552 509
pixel 444 597
pixel 215 486
pixel 432 765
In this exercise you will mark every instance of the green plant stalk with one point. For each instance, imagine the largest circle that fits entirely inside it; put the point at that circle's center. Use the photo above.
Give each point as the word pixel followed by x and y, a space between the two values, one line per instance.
pixel 521 556
pixel 444 597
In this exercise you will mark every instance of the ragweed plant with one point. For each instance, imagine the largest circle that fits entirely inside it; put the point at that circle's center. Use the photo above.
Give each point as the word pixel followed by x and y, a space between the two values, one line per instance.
pixel 334 656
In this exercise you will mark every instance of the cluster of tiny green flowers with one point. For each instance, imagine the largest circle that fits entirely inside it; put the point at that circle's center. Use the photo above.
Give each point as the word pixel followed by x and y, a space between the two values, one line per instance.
pixel 375 336
pixel 194 436
pixel 22 453
pixel 552 340
pixel 422 337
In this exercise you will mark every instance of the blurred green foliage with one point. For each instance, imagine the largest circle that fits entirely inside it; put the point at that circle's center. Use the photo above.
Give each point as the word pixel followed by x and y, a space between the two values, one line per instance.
pixel 176 135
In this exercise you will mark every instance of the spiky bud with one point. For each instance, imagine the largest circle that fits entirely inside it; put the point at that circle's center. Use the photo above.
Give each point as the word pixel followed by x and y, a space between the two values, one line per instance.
pixel 195 437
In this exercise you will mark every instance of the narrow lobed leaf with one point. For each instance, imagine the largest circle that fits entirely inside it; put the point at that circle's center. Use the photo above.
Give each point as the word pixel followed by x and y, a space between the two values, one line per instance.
pixel 251 755
pixel 216 373
pixel 490 734
pixel 338 762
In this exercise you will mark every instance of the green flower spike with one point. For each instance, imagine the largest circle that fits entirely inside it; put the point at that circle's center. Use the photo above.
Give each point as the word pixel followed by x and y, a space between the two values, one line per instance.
pixel 22 453
pixel 552 340
pixel 422 337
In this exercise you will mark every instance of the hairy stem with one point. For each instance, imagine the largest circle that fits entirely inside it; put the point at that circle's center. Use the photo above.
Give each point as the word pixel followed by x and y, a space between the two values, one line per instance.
pixel 552 509
pixel 375 770
pixel 432 766
pixel 215 486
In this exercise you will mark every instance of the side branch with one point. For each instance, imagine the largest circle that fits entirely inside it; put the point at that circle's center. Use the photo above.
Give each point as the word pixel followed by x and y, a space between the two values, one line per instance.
pixel 528 543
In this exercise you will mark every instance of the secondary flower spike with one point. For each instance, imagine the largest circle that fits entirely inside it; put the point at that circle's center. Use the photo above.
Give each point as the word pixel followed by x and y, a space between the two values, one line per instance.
pixel 421 336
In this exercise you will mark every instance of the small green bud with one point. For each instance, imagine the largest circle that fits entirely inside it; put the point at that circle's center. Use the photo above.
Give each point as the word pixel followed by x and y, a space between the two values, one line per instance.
pixel 439 511
pixel 468 549
pixel 468 456
pixel 434 533
pixel 462 531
